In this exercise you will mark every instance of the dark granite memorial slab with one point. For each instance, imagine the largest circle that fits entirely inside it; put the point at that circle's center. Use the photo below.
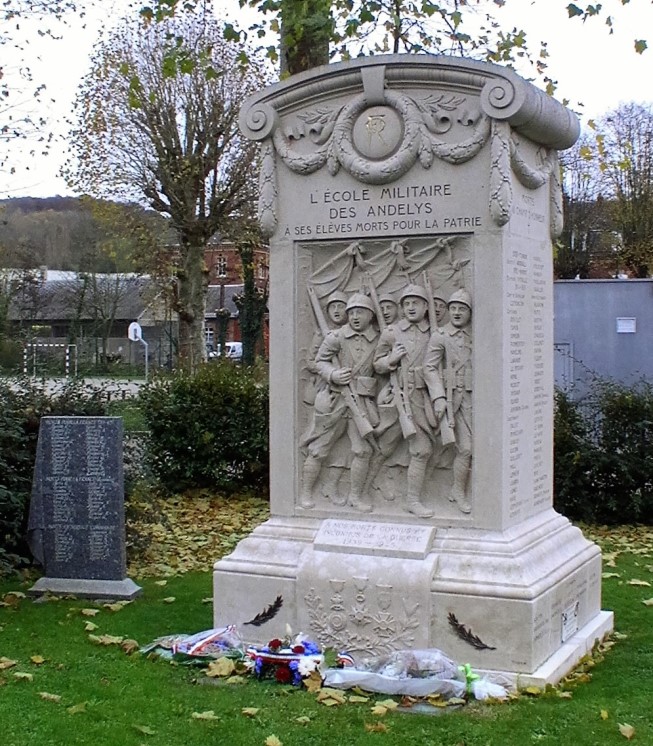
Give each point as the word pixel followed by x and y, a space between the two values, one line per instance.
pixel 77 523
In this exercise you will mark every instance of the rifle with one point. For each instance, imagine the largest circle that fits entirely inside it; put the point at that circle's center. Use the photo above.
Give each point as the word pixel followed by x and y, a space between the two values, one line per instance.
pixel 348 394
pixel 400 401
pixel 447 422
pixel 431 302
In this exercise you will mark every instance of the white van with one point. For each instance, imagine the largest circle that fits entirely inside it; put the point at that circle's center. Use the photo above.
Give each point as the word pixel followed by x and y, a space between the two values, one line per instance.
pixel 234 351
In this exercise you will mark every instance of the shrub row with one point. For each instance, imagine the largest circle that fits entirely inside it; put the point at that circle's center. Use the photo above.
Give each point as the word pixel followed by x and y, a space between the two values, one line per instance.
pixel 209 429
pixel 603 454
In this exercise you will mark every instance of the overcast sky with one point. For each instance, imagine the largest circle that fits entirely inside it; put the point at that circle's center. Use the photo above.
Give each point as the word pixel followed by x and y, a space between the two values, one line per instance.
pixel 592 68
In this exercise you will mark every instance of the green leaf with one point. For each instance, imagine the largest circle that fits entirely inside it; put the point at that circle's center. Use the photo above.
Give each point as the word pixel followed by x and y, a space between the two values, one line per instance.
pixel 574 10
pixel 230 33
pixel 640 45
pixel 169 66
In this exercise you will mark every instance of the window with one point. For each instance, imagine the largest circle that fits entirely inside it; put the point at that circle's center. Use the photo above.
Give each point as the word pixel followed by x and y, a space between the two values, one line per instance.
pixel 626 325
pixel 221 266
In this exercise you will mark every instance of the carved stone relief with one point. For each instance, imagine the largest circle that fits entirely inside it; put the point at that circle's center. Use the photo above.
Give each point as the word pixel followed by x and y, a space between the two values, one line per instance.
pixel 362 616
pixel 387 376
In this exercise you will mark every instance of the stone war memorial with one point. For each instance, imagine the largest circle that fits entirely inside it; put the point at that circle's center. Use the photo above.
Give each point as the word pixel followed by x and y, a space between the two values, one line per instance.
pixel 411 203
pixel 76 526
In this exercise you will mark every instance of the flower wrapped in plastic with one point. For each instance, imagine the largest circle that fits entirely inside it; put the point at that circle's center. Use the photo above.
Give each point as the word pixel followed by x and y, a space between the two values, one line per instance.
pixel 412 672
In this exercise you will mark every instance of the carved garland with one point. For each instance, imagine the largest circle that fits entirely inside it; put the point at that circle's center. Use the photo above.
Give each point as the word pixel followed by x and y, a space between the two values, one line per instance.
pixel 339 150
pixel 373 633
pixel 500 182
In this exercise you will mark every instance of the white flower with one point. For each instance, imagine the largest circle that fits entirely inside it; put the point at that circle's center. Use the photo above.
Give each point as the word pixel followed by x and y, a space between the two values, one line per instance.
pixel 308 663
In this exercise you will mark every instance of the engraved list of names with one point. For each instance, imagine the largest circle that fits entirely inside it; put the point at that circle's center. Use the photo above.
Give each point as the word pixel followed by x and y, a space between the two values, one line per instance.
pixel 78 497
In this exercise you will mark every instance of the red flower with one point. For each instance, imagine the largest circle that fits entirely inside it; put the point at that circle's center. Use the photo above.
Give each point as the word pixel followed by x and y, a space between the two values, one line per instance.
pixel 275 644
pixel 283 675
pixel 298 650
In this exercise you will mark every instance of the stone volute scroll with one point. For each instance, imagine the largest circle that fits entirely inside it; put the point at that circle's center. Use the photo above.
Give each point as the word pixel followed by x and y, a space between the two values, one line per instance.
pixel 410 203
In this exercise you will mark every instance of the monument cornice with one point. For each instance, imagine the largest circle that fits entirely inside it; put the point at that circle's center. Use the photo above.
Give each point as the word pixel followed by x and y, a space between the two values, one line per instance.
pixel 504 95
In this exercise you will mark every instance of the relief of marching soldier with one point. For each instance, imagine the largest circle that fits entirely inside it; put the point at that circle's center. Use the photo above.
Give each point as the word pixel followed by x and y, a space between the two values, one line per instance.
pixel 448 376
pixel 346 404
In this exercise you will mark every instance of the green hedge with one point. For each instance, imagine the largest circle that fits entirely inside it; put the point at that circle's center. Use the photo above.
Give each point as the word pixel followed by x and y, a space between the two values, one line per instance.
pixel 603 454
pixel 209 429
pixel 22 404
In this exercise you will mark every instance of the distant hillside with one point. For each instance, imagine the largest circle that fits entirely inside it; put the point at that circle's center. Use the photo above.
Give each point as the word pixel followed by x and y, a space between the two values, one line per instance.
pixel 72 233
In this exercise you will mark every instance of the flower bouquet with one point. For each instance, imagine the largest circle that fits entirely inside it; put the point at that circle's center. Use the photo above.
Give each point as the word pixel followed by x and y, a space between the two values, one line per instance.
pixel 287 662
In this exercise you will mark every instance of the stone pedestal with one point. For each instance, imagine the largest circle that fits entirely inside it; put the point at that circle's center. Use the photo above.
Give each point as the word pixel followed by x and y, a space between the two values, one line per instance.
pixel 410 204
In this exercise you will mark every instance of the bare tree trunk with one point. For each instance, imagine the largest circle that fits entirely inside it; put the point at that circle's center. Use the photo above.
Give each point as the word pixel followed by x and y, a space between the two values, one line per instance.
pixel 192 281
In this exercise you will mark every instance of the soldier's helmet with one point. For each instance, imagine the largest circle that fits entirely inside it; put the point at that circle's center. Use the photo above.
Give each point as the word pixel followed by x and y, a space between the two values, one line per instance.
pixel 336 297
pixel 388 298
pixel 461 296
pixel 413 291
pixel 359 300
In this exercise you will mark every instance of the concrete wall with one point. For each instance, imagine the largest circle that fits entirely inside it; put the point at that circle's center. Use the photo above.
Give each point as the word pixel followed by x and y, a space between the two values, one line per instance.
pixel 604 328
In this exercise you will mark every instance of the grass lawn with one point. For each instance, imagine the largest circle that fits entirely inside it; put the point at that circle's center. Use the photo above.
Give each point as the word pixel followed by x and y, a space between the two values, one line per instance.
pixel 104 696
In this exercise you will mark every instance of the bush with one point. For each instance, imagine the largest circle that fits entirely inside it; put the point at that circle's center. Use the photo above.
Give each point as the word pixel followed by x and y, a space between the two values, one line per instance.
pixel 209 429
pixel 22 404
pixel 603 454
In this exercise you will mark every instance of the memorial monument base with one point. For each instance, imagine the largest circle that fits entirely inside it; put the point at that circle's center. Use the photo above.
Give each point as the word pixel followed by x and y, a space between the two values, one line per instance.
pixel 119 590
pixel 523 604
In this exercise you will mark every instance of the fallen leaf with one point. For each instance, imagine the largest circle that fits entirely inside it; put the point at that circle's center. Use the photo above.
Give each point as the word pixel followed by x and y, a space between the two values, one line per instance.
pixel 303 720
pixel 535 691
pixel 90 626
pixel 207 600
pixel 145 729
pixel 7 663
pixel 637 582
pixel 273 741
pixel 206 715
pixel 117 606
pixel 76 709
pixel 169 600
pixel 90 612
pixel 250 712
pixel 313 682
pixel 23 676
pixel 389 704
pixel 220 667
pixel 37 660
pixel 105 639
pixel 235 680
pixel 357 698
pixel 330 697
pixel 606 575
pixel 50 697
pixel 129 646
pixel 604 715
pixel 12 598
pixel 565 695
pixel 376 727
pixel 379 710
pixel 161 582
pixel 648 602
pixel 627 731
